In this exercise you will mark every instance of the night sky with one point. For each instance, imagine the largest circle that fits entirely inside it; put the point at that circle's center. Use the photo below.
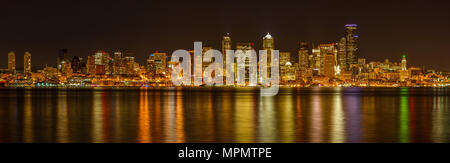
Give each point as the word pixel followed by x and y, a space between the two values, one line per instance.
pixel 387 29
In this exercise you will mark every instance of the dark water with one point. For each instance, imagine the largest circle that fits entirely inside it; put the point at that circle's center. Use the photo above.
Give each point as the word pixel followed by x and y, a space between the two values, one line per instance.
pixel 225 115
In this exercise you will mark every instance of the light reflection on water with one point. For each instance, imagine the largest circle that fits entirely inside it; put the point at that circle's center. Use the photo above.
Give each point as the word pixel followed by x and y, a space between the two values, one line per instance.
pixel 225 115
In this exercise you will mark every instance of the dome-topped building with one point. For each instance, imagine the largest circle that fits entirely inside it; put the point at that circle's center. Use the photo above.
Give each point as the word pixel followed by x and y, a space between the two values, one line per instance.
pixel 268 43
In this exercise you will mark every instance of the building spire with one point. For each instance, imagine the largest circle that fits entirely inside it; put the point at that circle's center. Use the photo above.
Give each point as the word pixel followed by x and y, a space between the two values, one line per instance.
pixel 268 36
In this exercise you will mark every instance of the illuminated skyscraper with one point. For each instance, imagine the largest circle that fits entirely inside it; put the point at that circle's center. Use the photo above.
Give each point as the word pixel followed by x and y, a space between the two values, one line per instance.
pixel 157 63
pixel 101 57
pixel 351 44
pixel 118 66
pixel 303 53
pixel 315 61
pixel 329 65
pixel 129 64
pixel 341 54
pixel 204 63
pixel 326 49
pixel 245 47
pixel 103 63
pixel 284 58
pixel 27 63
pixel 90 65
pixel 404 65
pixel 268 45
pixel 303 58
pixel 12 62
pixel 226 45
pixel 285 64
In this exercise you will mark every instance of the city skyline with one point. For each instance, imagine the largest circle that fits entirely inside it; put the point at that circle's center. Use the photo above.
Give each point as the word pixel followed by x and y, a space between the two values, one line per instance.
pixel 386 30
pixel 335 64
pixel 296 56
pixel 250 72
pixel 351 51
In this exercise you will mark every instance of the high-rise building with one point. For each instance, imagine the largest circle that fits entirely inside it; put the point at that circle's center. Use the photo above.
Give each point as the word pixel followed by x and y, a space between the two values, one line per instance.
pixel 404 65
pixel 268 45
pixel 204 63
pixel 27 63
pixel 329 65
pixel 157 63
pixel 315 61
pixel 351 44
pixel 285 64
pixel 325 49
pixel 63 57
pixel 67 69
pixel 226 45
pixel 245 47
pixel 303 58
pixel 101 57
pixel 12 62
pixel 104 63
pixel 129 64
pixel 341 54
pixel 90 65
pixel 119 66
pixel 285 57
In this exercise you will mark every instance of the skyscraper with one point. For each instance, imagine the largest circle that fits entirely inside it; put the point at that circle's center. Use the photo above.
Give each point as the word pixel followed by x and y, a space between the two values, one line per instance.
pixel 129 64
pixel 315 62
pixel 351 44
pixel 404 73
pixel 90 65
pixel 404 65
pixel 204 50
pixel 245 47
pixel 157 63
pixel 285 65
pixel 103 63
pixel 325 49
pixel 341 54
pixel 27 63
pixel 303 58
pixel 226 45
pixel 119 66
pixel 268 45
pixel 329 63
pixel 12 62
pixel 285 57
